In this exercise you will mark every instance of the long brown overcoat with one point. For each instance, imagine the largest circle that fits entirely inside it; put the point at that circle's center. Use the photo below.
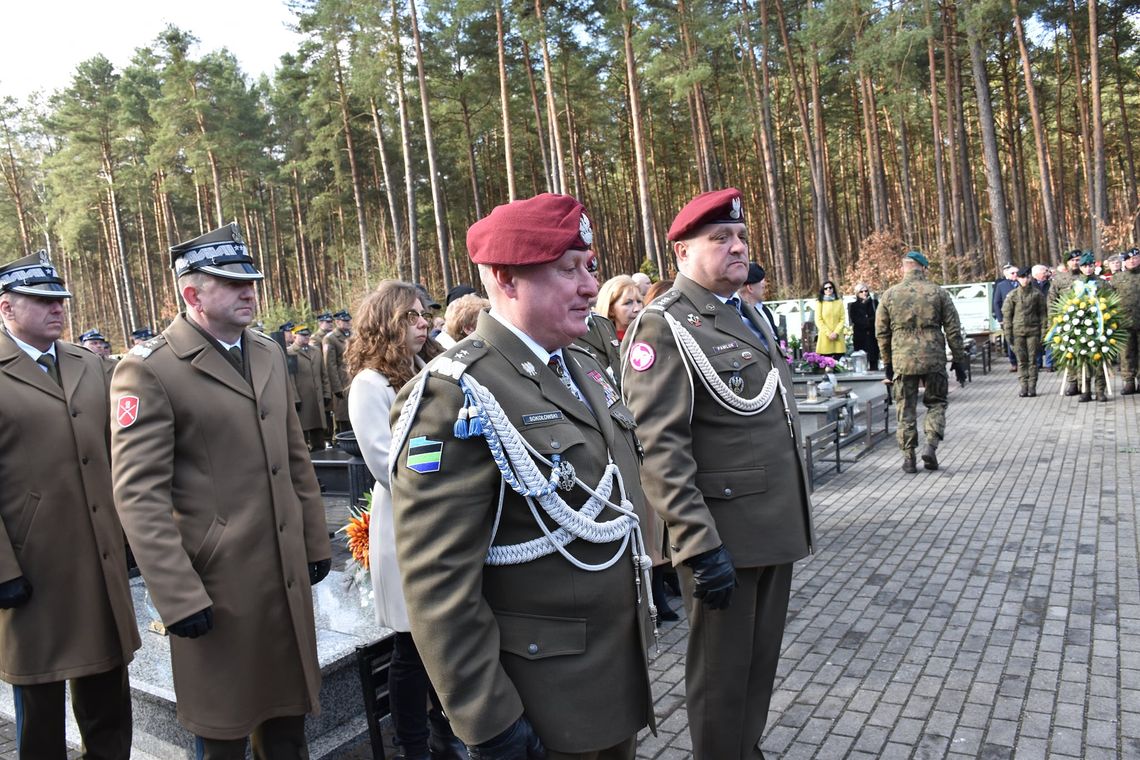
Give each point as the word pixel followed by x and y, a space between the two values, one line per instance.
pixel 59 528
pixel 562 643
pixel 335 344
pixel 312 385
pixel 221 505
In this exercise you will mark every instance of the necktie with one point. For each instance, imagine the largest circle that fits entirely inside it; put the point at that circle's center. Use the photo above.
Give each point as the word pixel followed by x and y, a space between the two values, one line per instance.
pixel 47 361
pixel 556 367
pixel 734 302
pixel 235 354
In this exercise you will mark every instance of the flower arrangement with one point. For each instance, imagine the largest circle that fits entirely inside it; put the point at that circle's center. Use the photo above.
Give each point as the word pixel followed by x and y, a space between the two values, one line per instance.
pixel 356 539
pixel 819 362
pixel 1087 329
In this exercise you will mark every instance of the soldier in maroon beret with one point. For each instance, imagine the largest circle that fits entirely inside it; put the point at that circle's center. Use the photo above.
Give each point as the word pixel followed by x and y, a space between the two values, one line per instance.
pixel 723 468
pixel 536 646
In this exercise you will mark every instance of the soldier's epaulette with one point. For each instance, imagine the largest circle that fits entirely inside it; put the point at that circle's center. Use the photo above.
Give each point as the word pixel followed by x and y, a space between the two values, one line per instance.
pixel 664 301
pixel 455 361
pixel 143 350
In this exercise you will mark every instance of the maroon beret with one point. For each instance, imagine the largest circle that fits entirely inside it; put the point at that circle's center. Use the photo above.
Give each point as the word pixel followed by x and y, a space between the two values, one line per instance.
pixel 531 231
pixel 713 207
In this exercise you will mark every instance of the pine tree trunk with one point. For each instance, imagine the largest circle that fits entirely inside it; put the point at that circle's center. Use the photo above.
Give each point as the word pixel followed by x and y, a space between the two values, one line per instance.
pixel 405 147
pixel 12 178
pixel 549 182
pixel 1100 193
pixel 1000 222
pixel 936 131
pixel 1126 134
pixel 557 159
pixel 505 102
pixel 389 190
pixel 648 232
pixel 357 189
pixel 438 201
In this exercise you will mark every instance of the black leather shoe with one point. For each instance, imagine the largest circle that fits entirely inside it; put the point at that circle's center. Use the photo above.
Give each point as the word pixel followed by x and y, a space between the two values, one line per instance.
pixel 1101 397
pixel 1129 388
pixel 1085 397
pixel 1022 393
pixel 908 464
pixel 929 459
pixel 1071 389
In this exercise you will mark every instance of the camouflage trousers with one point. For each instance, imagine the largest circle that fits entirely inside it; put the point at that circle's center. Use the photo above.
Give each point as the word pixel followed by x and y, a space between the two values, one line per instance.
pixel 1130 354
pixel 1025 347
pixel 1095 379
pixel 937 386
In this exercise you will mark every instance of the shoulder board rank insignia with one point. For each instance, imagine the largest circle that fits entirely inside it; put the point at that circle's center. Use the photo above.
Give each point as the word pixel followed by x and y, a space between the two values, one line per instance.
pixel 447 367
pixel 694 320
pixel 141 351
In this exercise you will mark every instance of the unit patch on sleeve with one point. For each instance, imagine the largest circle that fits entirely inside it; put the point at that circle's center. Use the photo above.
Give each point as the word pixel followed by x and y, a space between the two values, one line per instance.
pixel 425 455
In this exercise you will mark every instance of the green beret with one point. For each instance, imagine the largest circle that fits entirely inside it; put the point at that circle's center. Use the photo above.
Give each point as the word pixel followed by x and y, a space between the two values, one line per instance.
pixel 1087 259
pixel 918 257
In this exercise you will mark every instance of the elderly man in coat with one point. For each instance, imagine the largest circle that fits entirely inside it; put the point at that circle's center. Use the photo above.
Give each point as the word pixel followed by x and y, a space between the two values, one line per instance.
pixel 219 499
pixel 65 605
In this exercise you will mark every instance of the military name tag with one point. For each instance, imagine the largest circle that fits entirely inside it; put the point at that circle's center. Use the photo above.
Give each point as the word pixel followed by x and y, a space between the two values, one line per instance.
pixel 534 419
pixel 725 347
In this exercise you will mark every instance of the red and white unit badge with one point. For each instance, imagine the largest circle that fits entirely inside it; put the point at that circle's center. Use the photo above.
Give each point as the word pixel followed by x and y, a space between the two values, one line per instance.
pixel 127 411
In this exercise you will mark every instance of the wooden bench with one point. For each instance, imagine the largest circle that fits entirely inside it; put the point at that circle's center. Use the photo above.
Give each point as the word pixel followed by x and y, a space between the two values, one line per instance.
pixel 821 446
pixel 374 661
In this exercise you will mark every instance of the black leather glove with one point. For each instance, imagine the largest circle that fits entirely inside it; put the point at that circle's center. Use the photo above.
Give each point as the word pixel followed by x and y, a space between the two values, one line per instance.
pixel 960 373
pixel 318 570
pixel 889 371
pixel 297 405
pixel 15 593
pixel 518 742
pixel 198 624
pixel 339 394
pixel 714 577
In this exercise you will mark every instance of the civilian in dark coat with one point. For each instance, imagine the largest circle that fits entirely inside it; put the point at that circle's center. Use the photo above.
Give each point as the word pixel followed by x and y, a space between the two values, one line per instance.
pixel 861 315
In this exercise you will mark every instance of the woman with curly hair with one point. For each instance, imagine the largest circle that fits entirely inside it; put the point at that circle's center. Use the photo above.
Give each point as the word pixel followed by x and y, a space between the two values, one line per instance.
pixel 389 347
pixel 830 320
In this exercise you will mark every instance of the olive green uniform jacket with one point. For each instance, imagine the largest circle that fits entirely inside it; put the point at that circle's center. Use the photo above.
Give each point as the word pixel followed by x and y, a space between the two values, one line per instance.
pixel 58 526
pixel 311 384
pixel 915 321
pixel 1024 312
pixel 335 344
pixel 222 508
pixel 565 645
pixel 717 477
pixel 601 340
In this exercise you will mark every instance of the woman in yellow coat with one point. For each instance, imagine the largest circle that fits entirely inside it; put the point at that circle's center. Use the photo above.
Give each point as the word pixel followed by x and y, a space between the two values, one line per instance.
pixel 829 318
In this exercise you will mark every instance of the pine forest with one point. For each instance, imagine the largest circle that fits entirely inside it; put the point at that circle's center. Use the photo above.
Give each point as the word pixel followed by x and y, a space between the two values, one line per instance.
pixel 979 132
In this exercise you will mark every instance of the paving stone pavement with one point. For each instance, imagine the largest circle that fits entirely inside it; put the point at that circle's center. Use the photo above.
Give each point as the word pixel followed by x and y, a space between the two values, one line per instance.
pixel 988 610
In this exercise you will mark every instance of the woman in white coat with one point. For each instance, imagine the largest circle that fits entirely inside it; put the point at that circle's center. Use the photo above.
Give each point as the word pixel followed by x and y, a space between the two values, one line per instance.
pixel 389 346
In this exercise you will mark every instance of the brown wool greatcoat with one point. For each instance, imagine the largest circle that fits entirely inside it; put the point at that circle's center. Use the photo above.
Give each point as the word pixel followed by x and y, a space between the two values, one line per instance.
pixel 564 644
pixel 312 385
pixel 221 505
pixel 59 528
pixel 335 344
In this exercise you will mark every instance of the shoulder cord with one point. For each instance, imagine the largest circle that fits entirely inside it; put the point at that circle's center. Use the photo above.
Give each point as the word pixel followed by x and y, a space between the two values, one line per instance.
pixel 716 387
pixel 520 471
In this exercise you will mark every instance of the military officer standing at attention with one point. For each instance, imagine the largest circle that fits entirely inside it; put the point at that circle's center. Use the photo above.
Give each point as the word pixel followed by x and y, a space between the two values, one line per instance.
pixel 218 496
pixel 1025 318
pixel 335 344
pixel 1127 284
pixel 312 383
pixel 516 441
pixel 716 415
pixel 915 322
pixel 65 604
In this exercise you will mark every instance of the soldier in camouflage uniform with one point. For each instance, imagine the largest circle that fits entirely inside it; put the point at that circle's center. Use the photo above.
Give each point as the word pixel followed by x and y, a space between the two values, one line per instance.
pixel 916 319
pixel 1025 318
pixel 1063 279
pixel 1127 284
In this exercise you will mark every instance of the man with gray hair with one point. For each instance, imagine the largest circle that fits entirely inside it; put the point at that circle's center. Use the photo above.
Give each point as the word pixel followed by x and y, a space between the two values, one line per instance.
pixel 643 282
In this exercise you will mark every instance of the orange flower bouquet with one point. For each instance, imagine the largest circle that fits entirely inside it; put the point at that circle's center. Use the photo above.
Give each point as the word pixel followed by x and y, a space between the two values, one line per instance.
pixel 356 539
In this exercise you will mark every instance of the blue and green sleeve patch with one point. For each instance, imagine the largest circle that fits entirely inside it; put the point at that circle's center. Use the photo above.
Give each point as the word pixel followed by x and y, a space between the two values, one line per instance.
pixel 424 454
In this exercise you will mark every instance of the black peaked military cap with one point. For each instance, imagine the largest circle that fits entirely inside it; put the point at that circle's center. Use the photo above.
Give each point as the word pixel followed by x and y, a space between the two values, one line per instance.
pixel 220 252
pixel 32 275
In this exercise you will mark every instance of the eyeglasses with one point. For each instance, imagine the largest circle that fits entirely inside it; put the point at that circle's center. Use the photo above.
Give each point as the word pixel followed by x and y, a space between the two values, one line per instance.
pixel 413 315
pixel 828 287
pixel 864 291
